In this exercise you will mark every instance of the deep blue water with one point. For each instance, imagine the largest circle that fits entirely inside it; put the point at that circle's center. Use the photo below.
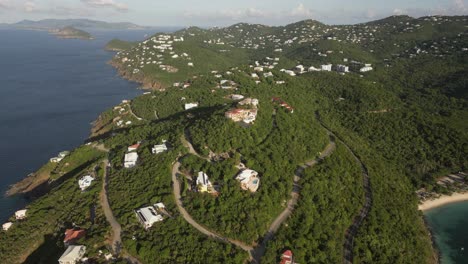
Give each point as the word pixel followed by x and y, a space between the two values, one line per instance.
pixel 50 92
pixel 449 224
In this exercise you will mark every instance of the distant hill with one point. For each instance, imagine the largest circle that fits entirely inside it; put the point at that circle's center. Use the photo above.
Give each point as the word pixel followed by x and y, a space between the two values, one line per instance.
pixel 48 24
pixel 71 33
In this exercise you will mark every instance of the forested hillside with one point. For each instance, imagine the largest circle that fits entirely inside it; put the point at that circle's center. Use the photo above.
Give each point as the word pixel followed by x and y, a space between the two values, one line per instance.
pixel 338 152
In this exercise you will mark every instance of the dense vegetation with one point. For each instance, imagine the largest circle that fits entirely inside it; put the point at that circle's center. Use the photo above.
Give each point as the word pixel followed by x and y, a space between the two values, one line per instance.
pixel 405 121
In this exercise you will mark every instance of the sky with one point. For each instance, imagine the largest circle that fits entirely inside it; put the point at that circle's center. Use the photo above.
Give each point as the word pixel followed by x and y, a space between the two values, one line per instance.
pixel 222 13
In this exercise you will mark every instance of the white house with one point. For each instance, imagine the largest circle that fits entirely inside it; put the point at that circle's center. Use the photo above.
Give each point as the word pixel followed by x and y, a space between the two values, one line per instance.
pixel 290 73
pixel 130 160
pixel 237 97
pixel 159 148
pixel 7 226
pixel 300 68
pixel 365 69
pixel 190 106
pixel 326 67
pixel 72 255
pixel 249 180
pixel 85 182
pixel 268 74
pixel 203 183
pixel 254 75
pixel 190 64
pixel 21 214
pixel 312 68
pixel 148 216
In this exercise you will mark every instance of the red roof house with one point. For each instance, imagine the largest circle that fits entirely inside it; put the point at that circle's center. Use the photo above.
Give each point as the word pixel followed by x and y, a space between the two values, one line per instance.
pixel 72 235
pixel 287 257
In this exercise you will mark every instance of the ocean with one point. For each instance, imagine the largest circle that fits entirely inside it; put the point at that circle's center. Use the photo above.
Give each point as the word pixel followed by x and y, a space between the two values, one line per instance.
pixel 449 225
pixel 50 91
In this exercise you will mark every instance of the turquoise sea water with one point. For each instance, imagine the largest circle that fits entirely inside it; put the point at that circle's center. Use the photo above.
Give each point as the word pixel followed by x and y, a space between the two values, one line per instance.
pixel 450 228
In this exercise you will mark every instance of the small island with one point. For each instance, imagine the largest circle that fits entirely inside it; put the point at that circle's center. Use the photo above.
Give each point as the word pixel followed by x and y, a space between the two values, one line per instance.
pixel 71 33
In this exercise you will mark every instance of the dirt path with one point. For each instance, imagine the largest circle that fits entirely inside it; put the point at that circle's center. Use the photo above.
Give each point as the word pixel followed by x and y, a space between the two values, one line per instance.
pixel 116 228
pixel 259 251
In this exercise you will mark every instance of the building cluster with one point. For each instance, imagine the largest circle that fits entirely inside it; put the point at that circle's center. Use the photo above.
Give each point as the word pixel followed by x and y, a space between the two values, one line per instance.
pixel 157 52
pixel 246 111
pixel 122 109
pixel 19 216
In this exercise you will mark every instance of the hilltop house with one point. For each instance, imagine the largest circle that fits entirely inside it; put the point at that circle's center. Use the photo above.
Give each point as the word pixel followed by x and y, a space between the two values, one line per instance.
pixel 190 106
pixel 72 255
pixel 21 214
pixel 72 235
pixel 7 226
pixel 203 183
pixel 85 182
pixel 149 215
pixel 130 160
pixel 249 180
pixel 159 148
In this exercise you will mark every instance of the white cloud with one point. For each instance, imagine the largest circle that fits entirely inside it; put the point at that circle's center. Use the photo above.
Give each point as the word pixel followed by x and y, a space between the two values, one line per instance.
pixel 301 11
pixel 5 4
pixel 29 7
pixel 107 3
pixel 460 6
pixel 399 12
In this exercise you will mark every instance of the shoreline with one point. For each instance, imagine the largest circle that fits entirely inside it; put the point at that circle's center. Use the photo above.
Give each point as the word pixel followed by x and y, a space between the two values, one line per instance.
pixel 443 200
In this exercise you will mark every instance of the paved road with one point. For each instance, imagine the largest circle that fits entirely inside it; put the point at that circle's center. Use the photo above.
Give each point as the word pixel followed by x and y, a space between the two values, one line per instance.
pixel 190 220
pixel 259 251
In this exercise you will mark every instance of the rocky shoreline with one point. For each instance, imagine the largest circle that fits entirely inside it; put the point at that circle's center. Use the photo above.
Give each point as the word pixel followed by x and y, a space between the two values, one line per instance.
pixel 146 82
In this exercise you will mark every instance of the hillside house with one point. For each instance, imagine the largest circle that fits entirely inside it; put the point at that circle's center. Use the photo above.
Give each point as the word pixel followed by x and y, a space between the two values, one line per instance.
pixel 159 148
pixel 204 184
pixel 133 147
pixel 249 180
pixel 287 257
pixel 130 160
pixel 148 216
pixel 365 69
pixel 72 235
pixel 85 181
pixel 326 67
pixel 245 115
pixel 190 106
pixel 21 214
pixel 268 74
pixel 342 68
pixel 72 255
pixel 60 156
pixel 312 69
pixel 249 101
pixel 7 226
pixel 237 97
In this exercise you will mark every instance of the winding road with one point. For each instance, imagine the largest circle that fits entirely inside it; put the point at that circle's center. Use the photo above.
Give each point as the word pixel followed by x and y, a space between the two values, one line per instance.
pixel 259 251
pixel 188 217
pixel 351 232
